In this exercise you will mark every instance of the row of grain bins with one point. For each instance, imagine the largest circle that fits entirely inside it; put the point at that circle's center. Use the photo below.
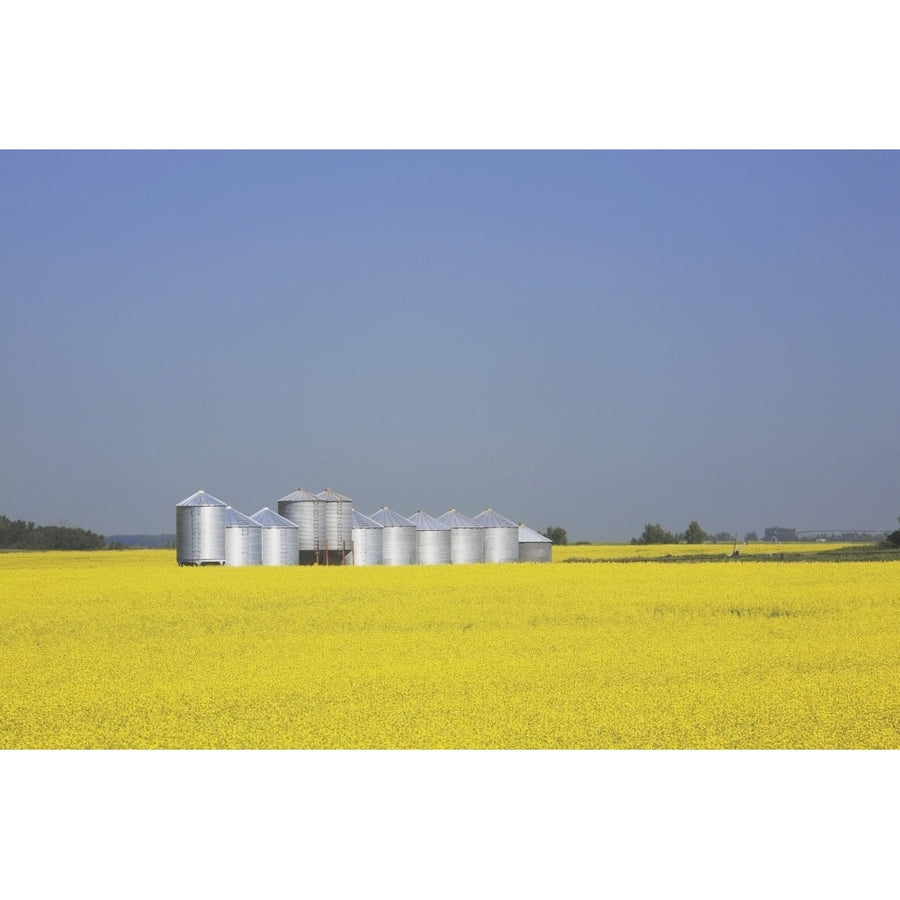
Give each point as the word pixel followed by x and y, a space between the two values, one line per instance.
pixel 387 538
pixel 324 528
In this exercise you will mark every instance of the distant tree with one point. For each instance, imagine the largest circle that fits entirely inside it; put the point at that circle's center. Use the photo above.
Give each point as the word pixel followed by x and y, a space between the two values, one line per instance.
pixel 556 534
pixel 15 534
pixel 694 534
pixel 750 536
pixel 655 534
pixel 894 536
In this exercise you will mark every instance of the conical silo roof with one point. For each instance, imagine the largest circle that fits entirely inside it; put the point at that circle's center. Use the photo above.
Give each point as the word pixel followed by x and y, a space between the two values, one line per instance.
pixel 390 519
pixel 300 495
pixel 454 519
pixel 491 519
pixel 235 519
pixel 363 521
pixel 201 498
pixel 530 536
pixel 270 519
pixel 330 496
pixel 424 522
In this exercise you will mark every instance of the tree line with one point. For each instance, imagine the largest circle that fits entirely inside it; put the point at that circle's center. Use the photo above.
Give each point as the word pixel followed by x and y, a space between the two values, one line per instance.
pixel 20 535
pixel 654 533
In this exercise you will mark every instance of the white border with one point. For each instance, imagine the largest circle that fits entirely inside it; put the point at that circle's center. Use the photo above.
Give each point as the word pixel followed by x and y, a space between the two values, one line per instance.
pixel 412 75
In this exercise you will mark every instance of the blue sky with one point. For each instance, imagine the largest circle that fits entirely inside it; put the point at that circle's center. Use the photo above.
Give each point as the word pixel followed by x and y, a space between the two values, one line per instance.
pixel 591 339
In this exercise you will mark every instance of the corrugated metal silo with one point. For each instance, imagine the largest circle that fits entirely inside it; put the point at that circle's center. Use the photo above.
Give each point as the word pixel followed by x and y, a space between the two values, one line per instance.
pixel 501 537
pixel 398 538
pixel 432 540
pixel 534 547
pixel 336 511
pixel 368 540
pixel 200 531
pixel 280 538
pixel 466 538
pixel 243 539
pixel 303 508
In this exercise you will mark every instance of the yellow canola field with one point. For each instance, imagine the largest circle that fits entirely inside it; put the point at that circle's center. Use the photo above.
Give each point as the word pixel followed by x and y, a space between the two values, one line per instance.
pixel 127 650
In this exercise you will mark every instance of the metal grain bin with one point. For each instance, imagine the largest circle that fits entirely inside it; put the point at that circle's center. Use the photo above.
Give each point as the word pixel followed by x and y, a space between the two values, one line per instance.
pixel 200 531
pixel 501 537
pixel 368 541
pixel 336 511
pixel 432 540
pixel 398 538
pixel 466 538
pixel 534 547
pixel 280 538
pixel 302 507
pixel 243 539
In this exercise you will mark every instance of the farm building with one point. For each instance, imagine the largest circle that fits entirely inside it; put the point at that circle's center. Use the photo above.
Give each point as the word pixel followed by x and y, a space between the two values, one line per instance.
pixel 399 538
pixel 466 538
pixel 302 508
pixel 534 547
pixel 200 530
pixel 432 539
pixel 501 537
pixel 335 526
pixel 368 540
pixel 243 539
pixel 280 538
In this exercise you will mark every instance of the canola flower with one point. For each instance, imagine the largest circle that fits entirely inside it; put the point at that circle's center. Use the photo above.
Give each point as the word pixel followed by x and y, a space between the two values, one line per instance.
pixel 127 650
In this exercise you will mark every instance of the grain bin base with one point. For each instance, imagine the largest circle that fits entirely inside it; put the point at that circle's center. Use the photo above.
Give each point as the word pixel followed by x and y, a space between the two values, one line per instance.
pixel 339 556
pixel 326 557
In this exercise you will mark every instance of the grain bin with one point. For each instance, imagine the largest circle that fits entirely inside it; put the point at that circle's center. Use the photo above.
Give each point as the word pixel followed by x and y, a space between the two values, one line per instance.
pixel 335 525
pixel 280 538
pixel 200 531
pixel 243 539
pixel 398 538
pixel 368 540
pixel 303 508
pixel 466 538
pixel 501 537
pixel 432 540
pixel 534 547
